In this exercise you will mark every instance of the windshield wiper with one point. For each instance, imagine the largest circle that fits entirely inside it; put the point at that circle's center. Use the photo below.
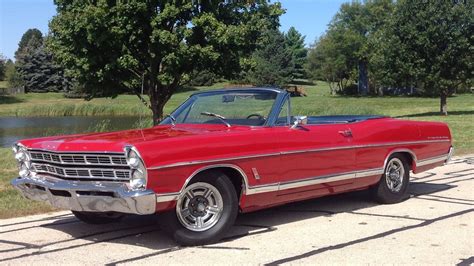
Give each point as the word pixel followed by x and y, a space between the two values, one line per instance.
pixel 220 117
pixel 173 120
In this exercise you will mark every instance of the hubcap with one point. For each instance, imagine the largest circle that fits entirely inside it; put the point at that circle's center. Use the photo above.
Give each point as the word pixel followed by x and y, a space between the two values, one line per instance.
pixel 394 174
pixel 199 207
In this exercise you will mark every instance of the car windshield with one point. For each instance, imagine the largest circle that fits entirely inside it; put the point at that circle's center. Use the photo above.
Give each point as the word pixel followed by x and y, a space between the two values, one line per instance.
pixel 250 108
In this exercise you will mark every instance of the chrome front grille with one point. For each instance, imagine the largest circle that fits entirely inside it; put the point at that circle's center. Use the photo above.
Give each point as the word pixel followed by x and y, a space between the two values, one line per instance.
pixel 82 159
pixel 110 167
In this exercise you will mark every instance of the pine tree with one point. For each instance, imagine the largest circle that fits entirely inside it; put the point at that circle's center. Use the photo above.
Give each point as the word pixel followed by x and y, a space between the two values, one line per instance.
pixel 30 41
pixel 273 61
pixel 295 43
pixel 40 73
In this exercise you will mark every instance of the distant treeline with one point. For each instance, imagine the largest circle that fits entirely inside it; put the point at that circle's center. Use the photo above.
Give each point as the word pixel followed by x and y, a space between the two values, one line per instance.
pixel 371 47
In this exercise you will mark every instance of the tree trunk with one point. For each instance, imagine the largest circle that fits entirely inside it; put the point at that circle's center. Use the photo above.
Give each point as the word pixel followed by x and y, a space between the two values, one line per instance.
pixel 380 91
pixel 443 107
pixel 157 109
pixel 159 96
pixel 363 85
pixel 158 99
pixel 332 90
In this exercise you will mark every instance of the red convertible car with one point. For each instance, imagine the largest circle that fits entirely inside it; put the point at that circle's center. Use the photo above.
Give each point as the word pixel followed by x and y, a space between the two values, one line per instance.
pixel 223 152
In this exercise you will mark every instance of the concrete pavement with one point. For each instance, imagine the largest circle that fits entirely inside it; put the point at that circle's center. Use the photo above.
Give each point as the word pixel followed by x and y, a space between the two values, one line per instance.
pixel 433 226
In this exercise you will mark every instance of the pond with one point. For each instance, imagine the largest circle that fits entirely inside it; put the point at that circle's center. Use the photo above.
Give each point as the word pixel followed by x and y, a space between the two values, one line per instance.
pixel 16 128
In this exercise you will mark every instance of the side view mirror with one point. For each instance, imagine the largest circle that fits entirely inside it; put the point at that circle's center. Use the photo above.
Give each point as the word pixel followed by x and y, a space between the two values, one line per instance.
pixel 299 120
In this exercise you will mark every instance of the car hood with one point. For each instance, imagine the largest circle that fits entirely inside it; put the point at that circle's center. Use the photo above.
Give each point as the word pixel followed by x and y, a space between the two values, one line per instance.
pixel 115 141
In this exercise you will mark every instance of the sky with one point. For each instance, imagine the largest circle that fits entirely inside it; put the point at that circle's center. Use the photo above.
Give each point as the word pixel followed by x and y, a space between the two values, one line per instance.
pixel 309 17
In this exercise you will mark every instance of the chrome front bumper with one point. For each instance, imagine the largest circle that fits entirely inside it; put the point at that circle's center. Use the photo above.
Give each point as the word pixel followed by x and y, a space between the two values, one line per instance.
pixel 87 196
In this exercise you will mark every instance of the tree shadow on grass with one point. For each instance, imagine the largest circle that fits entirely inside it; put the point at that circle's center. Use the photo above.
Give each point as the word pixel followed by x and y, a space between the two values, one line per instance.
pixel 437 114
pixel 303 82
pixel 6 99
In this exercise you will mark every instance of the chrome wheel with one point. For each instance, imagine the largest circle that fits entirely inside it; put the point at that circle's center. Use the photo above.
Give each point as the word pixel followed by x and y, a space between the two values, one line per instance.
pixel 199 207
pixel 394 174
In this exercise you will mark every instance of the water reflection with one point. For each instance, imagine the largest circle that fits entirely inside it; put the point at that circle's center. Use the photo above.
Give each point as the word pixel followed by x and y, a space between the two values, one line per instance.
pixel 16 128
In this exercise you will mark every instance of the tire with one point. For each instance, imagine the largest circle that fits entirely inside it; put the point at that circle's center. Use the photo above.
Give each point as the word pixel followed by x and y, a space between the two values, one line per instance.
pixel 97 217
pixel 389 190
pixel 214 189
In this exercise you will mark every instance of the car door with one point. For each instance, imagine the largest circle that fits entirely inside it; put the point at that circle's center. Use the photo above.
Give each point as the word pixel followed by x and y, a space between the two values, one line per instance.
pixel 315 160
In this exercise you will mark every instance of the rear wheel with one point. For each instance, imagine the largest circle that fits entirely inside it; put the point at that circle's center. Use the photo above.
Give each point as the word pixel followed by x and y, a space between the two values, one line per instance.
pixel 393 185
pixel 98 217
pixel 205 210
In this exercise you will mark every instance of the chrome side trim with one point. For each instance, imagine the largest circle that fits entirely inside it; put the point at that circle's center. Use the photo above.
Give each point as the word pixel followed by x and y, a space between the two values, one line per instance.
pixel 174 195
pixel 281 186
pixel 212 161
pixel 316 180
pixel 450 155
pixel 255 173
pixel 251 190
pixel 363 146
pixel 413 156
pixel 370 172
pixel 433 160
pixel 263 188
pixel 295 152
pixel 167 197
pixel 329 178
pixel 289 185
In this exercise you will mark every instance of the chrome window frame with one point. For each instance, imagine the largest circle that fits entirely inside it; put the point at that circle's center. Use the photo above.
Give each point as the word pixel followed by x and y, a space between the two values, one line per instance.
pixel 287 97
pixel 281 97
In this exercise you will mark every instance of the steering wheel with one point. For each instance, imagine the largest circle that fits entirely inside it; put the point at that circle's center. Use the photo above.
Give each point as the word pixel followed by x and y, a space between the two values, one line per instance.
pixel 260 117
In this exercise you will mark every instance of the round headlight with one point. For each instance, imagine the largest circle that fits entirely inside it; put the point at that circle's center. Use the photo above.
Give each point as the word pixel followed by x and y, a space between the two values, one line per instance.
pixel 24 170
pixel 21 154
pixel 15 148
pixel 138 180
pixel 133 160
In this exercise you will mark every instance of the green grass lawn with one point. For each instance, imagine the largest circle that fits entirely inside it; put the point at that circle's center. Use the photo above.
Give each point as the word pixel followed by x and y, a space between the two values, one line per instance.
pixel 3 84
pixel 54 104
pixel 12 204
pixel 318 102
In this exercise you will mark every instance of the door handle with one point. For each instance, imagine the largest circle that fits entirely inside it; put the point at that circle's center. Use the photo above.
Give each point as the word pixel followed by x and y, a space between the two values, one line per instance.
pixel 346 133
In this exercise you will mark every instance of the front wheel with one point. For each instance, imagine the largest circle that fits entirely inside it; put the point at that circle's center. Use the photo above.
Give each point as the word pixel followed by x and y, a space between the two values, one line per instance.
pixel 393 185
pixel 205 210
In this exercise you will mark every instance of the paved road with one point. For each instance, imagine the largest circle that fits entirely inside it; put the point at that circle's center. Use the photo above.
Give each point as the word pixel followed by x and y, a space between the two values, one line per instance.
pixel 434 226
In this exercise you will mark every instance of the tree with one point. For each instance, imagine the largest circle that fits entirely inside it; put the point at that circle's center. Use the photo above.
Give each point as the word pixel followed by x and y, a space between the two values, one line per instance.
pixel 39 73
pixel 332 59
pixel 273 61
pixel 429 45
pixel 12 76
pixel 34 68
pixel 3 66
pixel 30 41
pixel 295 43
pixel 353 26
pixel 114 46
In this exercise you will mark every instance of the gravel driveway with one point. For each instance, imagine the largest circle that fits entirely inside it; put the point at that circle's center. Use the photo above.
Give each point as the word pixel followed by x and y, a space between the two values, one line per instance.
pixel 433 226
